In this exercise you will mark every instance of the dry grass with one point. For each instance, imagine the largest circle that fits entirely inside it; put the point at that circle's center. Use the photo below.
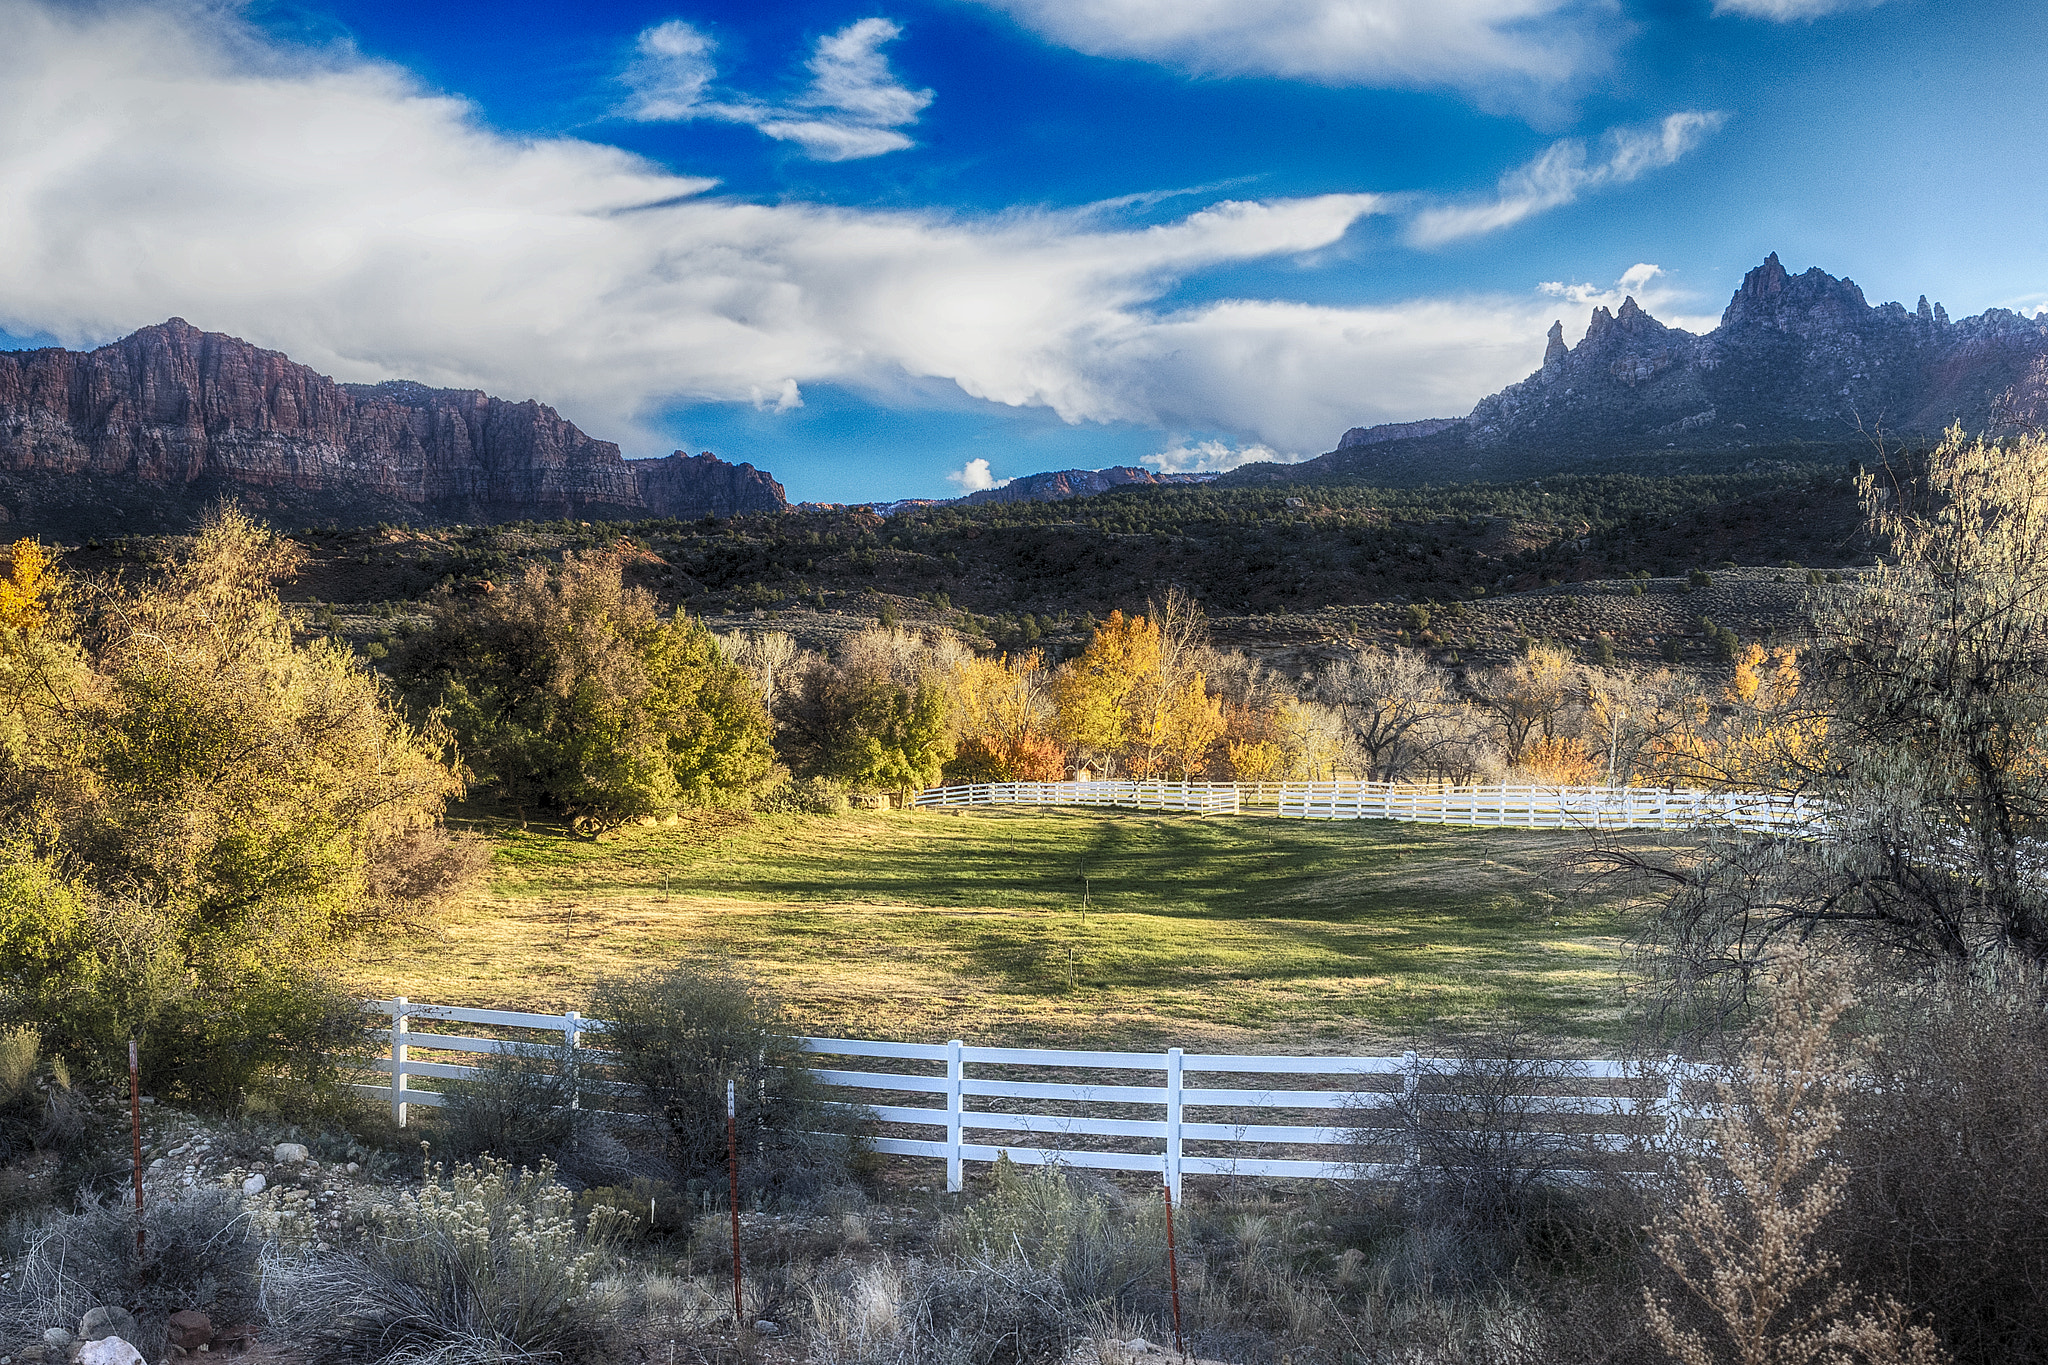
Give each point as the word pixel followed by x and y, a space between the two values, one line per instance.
pixel 1287 934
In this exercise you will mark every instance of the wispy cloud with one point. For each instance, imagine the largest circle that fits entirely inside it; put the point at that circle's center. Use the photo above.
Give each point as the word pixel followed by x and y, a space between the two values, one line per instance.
pixel 1566 171
pixel 1501 51
pixel 1785 11
pixel 974 477
pixel 851 109
pixel 1213 457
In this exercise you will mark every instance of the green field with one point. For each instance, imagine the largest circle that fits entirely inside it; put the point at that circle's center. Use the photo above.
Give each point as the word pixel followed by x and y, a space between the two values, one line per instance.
pixel 1206 932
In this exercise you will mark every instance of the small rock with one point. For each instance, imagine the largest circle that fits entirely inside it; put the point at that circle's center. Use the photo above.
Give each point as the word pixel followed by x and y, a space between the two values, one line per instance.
pixel 253 1185
pixel 108 1320
pixel 57 1339
pixel 289 1152
pixel 1138 1346
pixel 352 1168
pixel 109 1351
pixel 767 1328
pixel 190 1329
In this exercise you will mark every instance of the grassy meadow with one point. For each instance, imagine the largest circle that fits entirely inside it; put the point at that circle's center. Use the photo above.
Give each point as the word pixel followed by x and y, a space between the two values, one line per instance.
pixel 1207 932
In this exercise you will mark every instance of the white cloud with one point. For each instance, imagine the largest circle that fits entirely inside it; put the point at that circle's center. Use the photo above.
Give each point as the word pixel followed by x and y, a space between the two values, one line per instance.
pixel 851 109
pixel 1784 11
pixel 1213 457
pixel 1646 284
pixel 781 397
pixel 974 476
pixel 1563 173
pixel 1502 50
pixel 159 163
pixel 672 73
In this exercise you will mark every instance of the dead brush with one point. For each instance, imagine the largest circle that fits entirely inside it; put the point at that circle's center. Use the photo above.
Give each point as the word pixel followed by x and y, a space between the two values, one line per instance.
pixel 1744 1241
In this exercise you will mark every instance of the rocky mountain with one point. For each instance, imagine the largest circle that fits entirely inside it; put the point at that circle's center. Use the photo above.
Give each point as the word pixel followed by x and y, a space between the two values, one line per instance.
pixel 1053 486
pixel 1802 359
pixel 703 485
pixel 153 426
pixel 1394 431
pixel 1075 483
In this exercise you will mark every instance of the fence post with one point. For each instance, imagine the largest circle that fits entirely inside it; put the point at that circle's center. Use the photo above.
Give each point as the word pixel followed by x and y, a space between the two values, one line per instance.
pixel 572 1031
pixel 1674 1096
pixel 1174 1059
pixel 398 1050
pixel 1411 1079
pixel 955 1088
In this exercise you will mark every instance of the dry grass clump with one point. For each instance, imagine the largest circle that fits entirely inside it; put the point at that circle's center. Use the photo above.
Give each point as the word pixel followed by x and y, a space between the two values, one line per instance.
pixel 196 1253
pixel 481 1265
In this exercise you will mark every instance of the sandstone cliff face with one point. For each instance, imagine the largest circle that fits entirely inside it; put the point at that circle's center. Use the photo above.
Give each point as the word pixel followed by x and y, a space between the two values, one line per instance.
pixel 1795 356
pixel 704 485
pixel 171 415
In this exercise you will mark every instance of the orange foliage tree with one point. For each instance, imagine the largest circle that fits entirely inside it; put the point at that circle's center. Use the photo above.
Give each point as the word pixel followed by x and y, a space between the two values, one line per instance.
pixel 1002 717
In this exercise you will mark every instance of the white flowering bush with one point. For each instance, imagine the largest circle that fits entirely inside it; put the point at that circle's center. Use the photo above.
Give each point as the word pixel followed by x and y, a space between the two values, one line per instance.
pixel 483 1263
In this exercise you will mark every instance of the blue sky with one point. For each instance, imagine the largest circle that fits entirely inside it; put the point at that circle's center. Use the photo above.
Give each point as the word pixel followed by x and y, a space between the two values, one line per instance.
pixel 870 246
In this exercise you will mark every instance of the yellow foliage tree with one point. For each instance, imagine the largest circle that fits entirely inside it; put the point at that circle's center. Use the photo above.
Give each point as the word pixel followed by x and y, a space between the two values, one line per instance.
pixel 1557 761
pixel 1094 695
pixel 1176 729
pixel 30 580
pixel 1761 734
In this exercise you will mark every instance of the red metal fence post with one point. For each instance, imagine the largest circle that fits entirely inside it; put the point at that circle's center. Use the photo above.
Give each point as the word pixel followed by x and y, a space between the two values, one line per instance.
pixel 732 1162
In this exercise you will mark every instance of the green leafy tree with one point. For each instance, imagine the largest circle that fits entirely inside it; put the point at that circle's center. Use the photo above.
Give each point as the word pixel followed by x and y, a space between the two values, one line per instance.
pixel 201 809
pixel 568 689
pixel 860 725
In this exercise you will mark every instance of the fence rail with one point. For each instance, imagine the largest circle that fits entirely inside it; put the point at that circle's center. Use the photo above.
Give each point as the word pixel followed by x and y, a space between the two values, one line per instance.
pixel 1501 805
pixel 1207 798
pixel 1126 1111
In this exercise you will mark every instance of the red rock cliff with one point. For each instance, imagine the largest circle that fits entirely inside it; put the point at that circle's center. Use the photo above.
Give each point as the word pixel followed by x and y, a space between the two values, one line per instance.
pixel 175 409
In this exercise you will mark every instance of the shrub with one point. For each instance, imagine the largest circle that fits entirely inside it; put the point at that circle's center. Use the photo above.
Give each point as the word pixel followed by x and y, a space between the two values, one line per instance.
pixel 479 1266
pixel 640 1207
pixel 805 796
pixel 1050 1220
pixel 51 1140
pixel 1751 1278
pixel 196 1254
pixel 517 1108
pixel 290 1042
pixel 678 1036
pixel 1495 1179
pixel 1946 1154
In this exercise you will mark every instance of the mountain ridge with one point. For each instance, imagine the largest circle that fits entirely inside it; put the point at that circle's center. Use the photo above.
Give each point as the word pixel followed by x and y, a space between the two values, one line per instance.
pixel 1795 360
pixel 170 417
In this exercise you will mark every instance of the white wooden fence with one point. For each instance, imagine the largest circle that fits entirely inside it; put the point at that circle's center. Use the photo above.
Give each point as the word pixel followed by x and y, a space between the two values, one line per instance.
pixel 1182 1119
pixel 1501 805
pixel 1207 798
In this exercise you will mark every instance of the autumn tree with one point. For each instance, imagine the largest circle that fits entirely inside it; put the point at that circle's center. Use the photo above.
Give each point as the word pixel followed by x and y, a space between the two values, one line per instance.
pixel 1762 733
pixel 1002 718
pixel 1138 695
pixel 1534 699
pixel 1097 695
pixel 1932 673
